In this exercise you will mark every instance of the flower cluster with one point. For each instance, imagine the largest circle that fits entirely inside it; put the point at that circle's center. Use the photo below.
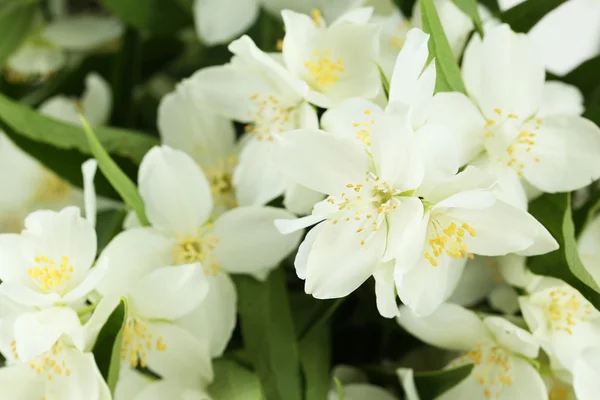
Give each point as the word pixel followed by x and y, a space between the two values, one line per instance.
pixel 360 148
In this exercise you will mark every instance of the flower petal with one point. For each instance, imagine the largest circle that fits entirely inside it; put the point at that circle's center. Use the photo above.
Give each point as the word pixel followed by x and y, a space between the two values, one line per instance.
pixel 504 72
pixel 320 161
pixel 82 32
pixel 176 193
pixel 215 317
pixel 249 240
pixel 171 292
pixel 561 99
pixel 451 327
pixel 385 290
pixel 217 24
pixel 567 148
pixel 586 370
pixel 511 337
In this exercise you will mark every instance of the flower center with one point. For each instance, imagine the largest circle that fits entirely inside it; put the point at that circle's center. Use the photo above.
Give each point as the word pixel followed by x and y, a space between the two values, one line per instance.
pixel 269 115
pixel 220 177
pixel 50 363
pixel 317 17
pixel 137 341
pixel 448 240
pixel 369 202
pixel 567 307
pixel 511 140
pixel 49 276
pixel 492 369
pixel 197 248
pixel 324 71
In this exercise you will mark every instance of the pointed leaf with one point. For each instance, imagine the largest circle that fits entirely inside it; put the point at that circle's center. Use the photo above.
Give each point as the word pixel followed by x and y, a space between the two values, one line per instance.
pixel 449 78
pixel 16 17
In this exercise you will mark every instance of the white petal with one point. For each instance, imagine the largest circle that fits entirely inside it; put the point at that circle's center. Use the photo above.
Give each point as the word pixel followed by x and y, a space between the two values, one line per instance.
pixel 511 337
pixel 176 193
pixel 300 199
pixel 425 287
pixel 438 149
pixel 477 281
pixel 256 179
pixel 36 332
pixel 217 24
pixel 396 152
pixel 215 317
pixel 320 161
pixel 450 327
pixel 286 226
pixel 586 371
pixel 89 283
pixel 589 248
pixel 505 299
pixel 561 99
pixel 351 118
pixel 13 266
pixel 186 124
pixel 409 84
pixel 185 358
pixel 385 290
pixel 504 72
pixel 28 297
pixel 501 229
pixel 403 222
pixel 96 101
pixel 83 32
pixel 249 240
pixel 528 384
pixel 408 383
pixel 470 180
pixel 567 149
pixel 338 263
pixel 88 169
pixel 130 383
pixel 301 261
pixel 131 255
pixel 21 382
pixel 461 117
pixel 171 292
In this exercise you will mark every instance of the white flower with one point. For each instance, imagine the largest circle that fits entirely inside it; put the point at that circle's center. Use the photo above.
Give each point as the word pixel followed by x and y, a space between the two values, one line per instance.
pixel 498 349
pixel 529 130
pixel 45 358
pixel 586 374
pixel 179 205
pixel 355 386
pixel 254 89
pixel 337 62
pixel 216 23
pixel 562 320
pixel 50 262
pixel 157 299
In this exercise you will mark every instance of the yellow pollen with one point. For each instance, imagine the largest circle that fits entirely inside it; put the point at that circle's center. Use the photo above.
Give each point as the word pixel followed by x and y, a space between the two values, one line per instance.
pixel 136 341
pixel 448 241
pixel 269 116
pixel 197 248
pixel 317 16
pixel 220 177
pixel 48 276
pixel 323 69
pixel 566 309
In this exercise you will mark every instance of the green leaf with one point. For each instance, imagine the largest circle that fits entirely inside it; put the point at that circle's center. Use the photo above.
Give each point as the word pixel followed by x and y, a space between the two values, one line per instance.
pixel 232 381
pixel 491 5
pixel 431 385
pixel 315 359
pixel 269 336
pixel 385 83
pixel 524 16
pixel 469 7
pixel 107 350
pixel 324 310
pixel 108 224
pixel 159 17
pixel 63 147
pixel 16 17
pixel 554 212
pixel 118 179
pixel 448 73
pixel 340 388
